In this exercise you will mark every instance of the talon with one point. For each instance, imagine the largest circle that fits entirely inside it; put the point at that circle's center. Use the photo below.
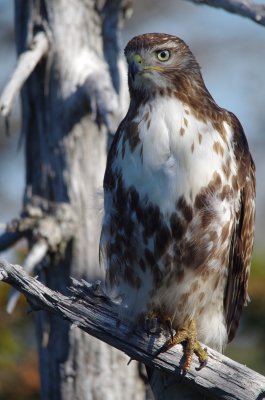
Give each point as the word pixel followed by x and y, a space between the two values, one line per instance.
pixel 203 358
pixel 187 334
pixel 202 365
pixel 162 349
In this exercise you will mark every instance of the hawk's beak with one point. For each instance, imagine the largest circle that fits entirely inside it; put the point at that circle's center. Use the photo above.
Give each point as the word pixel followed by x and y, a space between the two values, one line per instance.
pixel 135 65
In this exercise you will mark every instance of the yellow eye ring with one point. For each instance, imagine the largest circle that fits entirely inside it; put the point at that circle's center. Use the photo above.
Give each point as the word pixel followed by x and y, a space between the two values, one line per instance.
pixel 163 55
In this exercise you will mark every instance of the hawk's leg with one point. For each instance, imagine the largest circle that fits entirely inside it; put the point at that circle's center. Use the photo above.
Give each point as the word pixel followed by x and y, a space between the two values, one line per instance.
pixel 188 334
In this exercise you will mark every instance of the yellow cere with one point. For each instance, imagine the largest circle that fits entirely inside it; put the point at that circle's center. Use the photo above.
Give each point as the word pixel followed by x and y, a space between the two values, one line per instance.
pixel 137 58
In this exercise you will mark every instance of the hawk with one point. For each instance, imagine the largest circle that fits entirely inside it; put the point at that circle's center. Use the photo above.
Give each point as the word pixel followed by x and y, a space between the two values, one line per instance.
pixel 179 202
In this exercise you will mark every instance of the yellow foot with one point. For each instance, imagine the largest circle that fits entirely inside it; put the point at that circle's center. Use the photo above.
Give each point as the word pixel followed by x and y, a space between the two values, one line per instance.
pixel 187 334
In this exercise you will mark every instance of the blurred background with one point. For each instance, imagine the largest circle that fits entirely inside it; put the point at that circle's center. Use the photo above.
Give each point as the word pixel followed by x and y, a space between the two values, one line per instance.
pixel 231 52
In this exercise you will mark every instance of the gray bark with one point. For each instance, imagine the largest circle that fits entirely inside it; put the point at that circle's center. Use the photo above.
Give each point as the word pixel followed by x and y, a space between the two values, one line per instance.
pixel 70 104
pixel 248 9
pixel 89 309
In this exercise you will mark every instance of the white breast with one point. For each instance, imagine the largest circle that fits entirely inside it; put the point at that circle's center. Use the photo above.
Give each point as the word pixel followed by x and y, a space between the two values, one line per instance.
pixel 177 154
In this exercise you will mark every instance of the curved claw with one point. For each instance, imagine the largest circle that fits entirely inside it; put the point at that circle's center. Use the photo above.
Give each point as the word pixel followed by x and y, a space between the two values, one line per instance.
pixel 202 363
pixel 188 335
pixel 162 349
pixel 170 328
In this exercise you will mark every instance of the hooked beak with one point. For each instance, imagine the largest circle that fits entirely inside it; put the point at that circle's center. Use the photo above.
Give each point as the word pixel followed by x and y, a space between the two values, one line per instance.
pixel 136 65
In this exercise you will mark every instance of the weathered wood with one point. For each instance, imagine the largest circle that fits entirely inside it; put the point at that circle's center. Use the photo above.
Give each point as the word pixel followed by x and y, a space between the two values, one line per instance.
pixel 247 9
pixel 34 257
pixel 93 312
pixel 71 102
pixel 25 65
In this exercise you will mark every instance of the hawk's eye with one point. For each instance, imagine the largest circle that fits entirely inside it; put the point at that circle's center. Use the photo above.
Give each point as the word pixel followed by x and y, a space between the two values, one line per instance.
pixel 163 55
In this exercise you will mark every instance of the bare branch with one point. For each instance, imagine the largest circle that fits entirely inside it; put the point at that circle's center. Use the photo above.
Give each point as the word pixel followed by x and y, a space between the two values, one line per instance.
pixel 42 220
pixel 104 101
pixel 51 226
pixel 27 61
pixel 245 8
pixel 93 312
pixel 8 239
pixel 35 256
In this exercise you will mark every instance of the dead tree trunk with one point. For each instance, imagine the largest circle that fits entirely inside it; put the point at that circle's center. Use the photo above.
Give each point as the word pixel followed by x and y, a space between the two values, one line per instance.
pixel 71 102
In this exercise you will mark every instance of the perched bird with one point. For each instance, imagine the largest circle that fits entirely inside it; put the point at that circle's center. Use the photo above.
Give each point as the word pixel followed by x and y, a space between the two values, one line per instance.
pixel 179 202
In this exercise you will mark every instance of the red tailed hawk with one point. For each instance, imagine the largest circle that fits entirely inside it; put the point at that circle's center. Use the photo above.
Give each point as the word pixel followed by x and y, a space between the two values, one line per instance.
pixel 179 192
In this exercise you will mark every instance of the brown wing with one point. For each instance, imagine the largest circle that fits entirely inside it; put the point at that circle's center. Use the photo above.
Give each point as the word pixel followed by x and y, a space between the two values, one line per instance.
pixel 236 295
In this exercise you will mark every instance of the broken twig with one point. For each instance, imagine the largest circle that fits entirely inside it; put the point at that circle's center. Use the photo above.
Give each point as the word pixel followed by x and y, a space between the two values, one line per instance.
pixel 27 61
pixel 247 9
pixel 34 257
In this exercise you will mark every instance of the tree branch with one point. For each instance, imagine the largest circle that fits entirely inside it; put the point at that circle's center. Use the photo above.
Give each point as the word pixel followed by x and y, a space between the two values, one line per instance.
pixel 34 257
pixel 245 8
pixel 8 239
pixel 27 61
pixel 93 312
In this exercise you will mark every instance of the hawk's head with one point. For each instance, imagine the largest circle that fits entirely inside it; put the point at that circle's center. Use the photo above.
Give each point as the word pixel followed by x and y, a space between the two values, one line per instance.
pixel 158 60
